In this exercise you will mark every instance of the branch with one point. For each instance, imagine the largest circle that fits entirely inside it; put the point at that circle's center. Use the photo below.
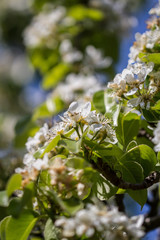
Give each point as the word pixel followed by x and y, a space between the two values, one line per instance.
pixel 119 201
pixel 110 175
pixel 153 202
pixel 151 223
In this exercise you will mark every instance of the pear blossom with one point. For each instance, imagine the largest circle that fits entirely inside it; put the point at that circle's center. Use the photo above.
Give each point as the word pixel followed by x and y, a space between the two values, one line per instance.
pixel 75 85
pixel 77 112
pixel 95 59
pixel 156 10
pixel 131 80
pixel 69 54
pixel 43 26
pixel 40 137
pixel 108 223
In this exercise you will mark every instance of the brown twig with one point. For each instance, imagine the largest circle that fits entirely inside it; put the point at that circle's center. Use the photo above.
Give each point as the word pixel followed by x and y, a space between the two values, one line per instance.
pixel 110 175
pixel 151 223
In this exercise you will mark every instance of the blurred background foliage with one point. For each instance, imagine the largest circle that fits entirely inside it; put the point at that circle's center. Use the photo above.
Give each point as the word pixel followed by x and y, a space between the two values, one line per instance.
pixel 42 42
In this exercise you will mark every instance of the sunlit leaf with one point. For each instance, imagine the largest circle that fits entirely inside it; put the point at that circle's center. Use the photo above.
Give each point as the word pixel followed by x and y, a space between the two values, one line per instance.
pixel 55 75
pixel 13 184
pixel 20 228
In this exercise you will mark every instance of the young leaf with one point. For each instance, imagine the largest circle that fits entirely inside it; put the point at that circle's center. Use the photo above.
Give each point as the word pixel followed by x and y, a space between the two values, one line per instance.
pixel 14 183
pixel 71 145
pixel 55 75
pixel 139 196
pixel 151 115
pixel 143 155
pixel 3 199
pixel 79 12
pixel 158 157
pixel 72 205
pixel 3 225
pixel 50 231
pixel 128 127
pixel 51 145
pixel 131 171
pixel 150 57
pixel 112 109
pixel 98 101
pixel 156 106
pixel 20 228
pixel 103 188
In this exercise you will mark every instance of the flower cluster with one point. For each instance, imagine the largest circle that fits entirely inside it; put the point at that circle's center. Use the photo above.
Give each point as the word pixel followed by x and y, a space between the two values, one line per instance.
pixel 132 82
pixel 44 26
pixel 77 119
pixel 94 221
pixel 139 83
pixel 146 41
pixel 80 115
pixel 66 181
pixel 76 85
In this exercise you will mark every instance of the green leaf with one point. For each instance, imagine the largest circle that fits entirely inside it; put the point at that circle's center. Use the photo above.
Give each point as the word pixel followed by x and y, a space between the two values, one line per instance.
pixel 98 101
pixel 133 172
pixel 15 207
pixel 76 162
pixel 51 145
pixel 3 212
pixel 44 179
pixel 128 127
pixel 157 167
pixel 158 157
pixel 55 75
pixel 20 228
pixel 71 145
pixel 69 133
pixel 24 129
pixel 142 154
pixel 140 196
pixel 151 115
pixel 103 188
pixel 131 145
pixel 3 199
pixel 150 57
pixel 79 12
pixel 45 149
pixel 50 107
pixel 14 183
pixel 29 193
pixel 110 153
pixel 121 191
pixel 156 106
pixel 72 205
pixel 3 226
pixel 50 231
pixel 112 109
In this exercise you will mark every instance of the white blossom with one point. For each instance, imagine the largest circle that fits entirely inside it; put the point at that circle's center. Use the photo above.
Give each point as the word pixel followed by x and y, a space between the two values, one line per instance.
pixel 69 54
pixel 109 223
pixel 41 136
pixel 95 59
pixel 156 10
pixel 43 26
pixel 76 85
